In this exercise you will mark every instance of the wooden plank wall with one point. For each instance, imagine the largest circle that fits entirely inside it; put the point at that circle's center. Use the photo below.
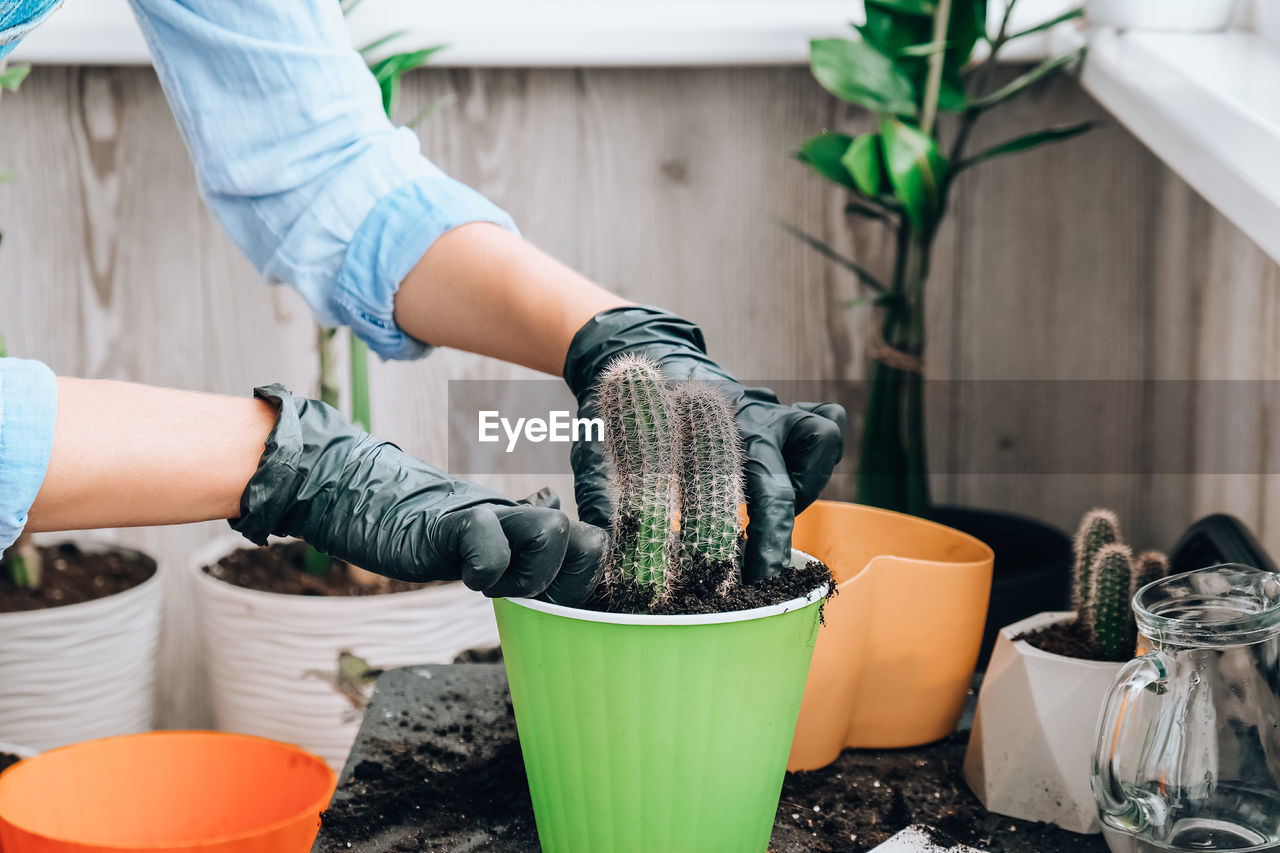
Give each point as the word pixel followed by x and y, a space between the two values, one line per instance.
pixel 1089 261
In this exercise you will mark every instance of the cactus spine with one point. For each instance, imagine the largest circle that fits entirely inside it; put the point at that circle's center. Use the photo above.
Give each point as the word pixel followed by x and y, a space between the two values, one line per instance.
pixel 711 480
pixel 640 437
pixel 1098 528
pixel 1105 580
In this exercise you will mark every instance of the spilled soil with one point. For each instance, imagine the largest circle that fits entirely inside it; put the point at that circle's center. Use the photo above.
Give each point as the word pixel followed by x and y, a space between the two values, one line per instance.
pixel 72 576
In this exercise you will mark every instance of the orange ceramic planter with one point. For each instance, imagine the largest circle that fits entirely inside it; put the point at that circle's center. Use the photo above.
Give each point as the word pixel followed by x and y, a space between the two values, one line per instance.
pixel 164 792
pixel 895 659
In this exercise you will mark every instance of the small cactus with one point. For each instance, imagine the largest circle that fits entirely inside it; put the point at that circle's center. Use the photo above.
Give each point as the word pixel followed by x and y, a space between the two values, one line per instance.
pixel 711 480
pixel 1098 528
pixel 1105 579
pixel 640 438
pixel 1108 620
pixel 1152 565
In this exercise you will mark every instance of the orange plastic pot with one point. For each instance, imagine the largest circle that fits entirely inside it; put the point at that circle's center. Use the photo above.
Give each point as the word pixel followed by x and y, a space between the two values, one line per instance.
pixel 895 659
pixel 165 791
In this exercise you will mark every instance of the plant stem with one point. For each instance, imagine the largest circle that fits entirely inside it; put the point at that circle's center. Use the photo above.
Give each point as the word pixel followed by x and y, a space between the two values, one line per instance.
pixel 933 84
pixel 360 410
pixel 983 83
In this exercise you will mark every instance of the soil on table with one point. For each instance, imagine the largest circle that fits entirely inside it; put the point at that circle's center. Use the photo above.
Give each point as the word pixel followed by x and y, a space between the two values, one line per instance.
pixel 406 796
pixel 281 567
pixel 1065 638
pixel 7 760
pixel 866 797
pixel 701 589
pixel 72 576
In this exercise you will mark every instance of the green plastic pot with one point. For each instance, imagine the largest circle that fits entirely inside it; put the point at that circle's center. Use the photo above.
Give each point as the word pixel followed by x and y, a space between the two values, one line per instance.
pixel 656 734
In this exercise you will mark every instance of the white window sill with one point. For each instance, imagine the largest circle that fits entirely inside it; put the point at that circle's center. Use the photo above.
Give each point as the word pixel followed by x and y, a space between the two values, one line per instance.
pixel 1207 106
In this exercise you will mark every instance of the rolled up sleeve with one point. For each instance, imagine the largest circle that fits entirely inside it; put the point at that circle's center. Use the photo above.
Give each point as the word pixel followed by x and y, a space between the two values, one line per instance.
pixel 297 160
pixel 28 409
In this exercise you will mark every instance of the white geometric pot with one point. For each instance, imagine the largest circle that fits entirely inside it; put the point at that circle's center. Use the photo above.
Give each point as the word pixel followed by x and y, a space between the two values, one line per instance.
pixel 1161 15
pixel 81 671
pixel 272 659
pixel 1033 735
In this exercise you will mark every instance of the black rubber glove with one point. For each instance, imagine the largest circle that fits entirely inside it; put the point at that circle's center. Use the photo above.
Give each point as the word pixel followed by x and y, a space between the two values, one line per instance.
pixel 791 450
pixel 326 481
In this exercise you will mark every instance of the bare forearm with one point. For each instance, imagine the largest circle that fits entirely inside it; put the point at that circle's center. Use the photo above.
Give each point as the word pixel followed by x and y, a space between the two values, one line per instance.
pixel 484 290
pixel 127 455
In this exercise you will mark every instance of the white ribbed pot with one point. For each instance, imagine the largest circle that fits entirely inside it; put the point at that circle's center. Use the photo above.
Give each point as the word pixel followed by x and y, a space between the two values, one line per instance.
pixel 1034 731
pixel 272 659
pixel 1186 16
pixel 81 671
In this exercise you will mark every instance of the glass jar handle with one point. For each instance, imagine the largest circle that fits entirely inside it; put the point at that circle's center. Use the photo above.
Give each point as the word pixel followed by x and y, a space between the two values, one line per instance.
pixel 1127 805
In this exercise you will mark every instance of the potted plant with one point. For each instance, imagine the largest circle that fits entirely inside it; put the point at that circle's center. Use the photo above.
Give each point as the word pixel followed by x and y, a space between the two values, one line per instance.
pixel 911 64
pixel 79 628
pixel 1036 722
pixel 659 717
pixel 1161 15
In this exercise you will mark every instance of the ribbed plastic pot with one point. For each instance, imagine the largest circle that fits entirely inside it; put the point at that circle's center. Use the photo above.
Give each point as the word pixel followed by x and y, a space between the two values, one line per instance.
pixel 656 733
pixel 272 659
pixel 165 792
pixel 84 670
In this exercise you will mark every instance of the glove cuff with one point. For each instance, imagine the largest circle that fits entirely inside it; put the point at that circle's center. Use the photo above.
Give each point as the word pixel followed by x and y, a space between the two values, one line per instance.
pixel 269 493
pixel 633 328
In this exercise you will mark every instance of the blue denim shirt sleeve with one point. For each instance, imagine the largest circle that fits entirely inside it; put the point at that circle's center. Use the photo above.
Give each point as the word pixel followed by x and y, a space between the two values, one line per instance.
pixel 28 407
pixel 296 158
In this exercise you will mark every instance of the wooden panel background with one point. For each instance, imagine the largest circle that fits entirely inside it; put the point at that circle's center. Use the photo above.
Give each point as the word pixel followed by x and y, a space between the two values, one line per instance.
pixel 1087 261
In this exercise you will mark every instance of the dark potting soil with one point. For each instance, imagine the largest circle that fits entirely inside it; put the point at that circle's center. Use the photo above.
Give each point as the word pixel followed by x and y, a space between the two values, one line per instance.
pixel 7 760
pixel 281 567
pixel 1066 638
pixel 437 767
pixel 702 590
pixel 71 576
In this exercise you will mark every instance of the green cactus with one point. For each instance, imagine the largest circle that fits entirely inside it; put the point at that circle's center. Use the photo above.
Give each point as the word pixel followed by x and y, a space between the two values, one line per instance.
pixel 640 437
pixel 1098 528
pixel 711 480
pixel 1108 620
pixel 1150 567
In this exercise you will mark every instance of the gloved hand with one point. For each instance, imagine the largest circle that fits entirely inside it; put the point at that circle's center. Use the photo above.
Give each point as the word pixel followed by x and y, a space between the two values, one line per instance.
pixel 791 450
pixel 326 481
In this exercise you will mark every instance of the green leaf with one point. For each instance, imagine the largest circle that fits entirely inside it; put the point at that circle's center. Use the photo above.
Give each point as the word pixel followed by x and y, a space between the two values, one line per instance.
pixel 377 43
pixel 921 8
pixel 431 109
pixel 1025 81
pixel 917 169
pixel 4 350
pixel 13 76
pixel 870 211
pixel 864 275
pixel 823 153
pixel 389 71
pixel 865 162
pixel 1047 25
pixel 855 71
pixel 1027 142
pixel 6 176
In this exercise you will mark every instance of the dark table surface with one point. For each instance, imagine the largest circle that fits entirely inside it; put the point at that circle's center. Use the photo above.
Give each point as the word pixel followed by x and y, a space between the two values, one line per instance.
pixel 425 713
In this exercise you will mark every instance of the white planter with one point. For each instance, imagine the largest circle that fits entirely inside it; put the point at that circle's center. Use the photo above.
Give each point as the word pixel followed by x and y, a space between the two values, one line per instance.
pixel 1161 15
pixel 272 659
pixel 81 671
pixel 1033 735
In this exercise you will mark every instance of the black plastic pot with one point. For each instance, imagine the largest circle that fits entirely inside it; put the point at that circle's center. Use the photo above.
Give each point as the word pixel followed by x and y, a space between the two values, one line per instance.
pixel 1032 566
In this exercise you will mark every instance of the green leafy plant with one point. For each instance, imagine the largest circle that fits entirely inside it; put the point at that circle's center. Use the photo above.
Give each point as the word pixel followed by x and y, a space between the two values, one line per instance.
pixel 387 72
pixel 1105 577
pixel 911 62
pixel 676 477
pixel 11 78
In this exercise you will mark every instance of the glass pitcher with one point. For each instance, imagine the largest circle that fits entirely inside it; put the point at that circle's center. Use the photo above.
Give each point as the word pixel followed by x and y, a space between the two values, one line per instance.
pixel 1188 752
